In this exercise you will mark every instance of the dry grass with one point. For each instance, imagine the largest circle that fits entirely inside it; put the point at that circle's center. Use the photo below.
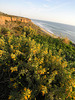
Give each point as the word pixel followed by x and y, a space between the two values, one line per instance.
pixel 66 40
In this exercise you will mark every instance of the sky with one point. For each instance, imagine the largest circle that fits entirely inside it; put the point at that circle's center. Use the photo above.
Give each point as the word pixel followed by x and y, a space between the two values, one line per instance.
pixel 61 11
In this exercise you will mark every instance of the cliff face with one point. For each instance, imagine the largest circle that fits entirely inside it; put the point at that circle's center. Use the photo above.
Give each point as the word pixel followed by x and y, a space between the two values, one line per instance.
pixel 7 18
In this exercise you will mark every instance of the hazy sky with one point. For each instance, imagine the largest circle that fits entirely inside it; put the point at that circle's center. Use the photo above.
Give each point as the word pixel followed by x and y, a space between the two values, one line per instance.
pixel 62 11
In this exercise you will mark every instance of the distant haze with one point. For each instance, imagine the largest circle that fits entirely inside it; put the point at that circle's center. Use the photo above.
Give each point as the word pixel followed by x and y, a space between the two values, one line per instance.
pixel 62 11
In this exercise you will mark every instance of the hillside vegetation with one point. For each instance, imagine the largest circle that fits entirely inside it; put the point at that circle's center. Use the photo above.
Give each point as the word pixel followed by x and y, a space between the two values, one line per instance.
pixel 33 65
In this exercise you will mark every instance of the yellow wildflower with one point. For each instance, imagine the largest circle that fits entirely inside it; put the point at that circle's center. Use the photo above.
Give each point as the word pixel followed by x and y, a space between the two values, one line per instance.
pixel 13 56
pixel 43 89
pixel 71 89
pixel 74 98
pixel 1 43
pixel 13 69
pixel 69 76
pixel 40 66
pixel 41 61
pixel 73 84
pixel 44 77
pixel 15 85
pixel 42 71
pixel 25 89
pixel 1 52
pixel 16 46
pixel 29 96
pixel 11 46
pixel 27 93
pixel 53 58
pixel 57 60
pixel 14 51
pixel 11 79
pixel 64 64
pixel 25 97
pixel 9 97
pixel 43 93
pixel 29 59
pixel 34 51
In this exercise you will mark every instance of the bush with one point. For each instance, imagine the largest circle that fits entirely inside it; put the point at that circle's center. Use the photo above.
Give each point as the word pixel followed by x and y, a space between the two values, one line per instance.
pixel 4 30
pixel 29 70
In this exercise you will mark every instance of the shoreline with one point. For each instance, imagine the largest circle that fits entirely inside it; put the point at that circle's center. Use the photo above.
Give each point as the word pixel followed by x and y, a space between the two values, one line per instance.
pixel 48 33
pixel 52 34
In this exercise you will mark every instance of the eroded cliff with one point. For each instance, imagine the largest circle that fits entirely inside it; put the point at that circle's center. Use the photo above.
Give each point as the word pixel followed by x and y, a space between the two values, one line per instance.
pixel 4 18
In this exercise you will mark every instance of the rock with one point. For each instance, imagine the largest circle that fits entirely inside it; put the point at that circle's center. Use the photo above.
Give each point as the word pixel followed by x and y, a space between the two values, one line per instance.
pixel 7 18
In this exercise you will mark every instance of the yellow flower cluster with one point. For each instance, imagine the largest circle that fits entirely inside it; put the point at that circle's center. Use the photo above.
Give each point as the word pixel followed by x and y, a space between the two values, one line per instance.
pixel 69 95
pixel 11 79
pixel 11 46
pixel 13 56
pixel 39 46
pixel 74 98
pixel 2 43
pixel 43 89
pixel 40 67
pixel 10 38
pixel 54 73
pixel 34 51
pixel 16 46
pixel 15 85
pixel 73 83
pixel 18 52
pixel 35 48
pixel 9 98
pixel 41 61
pixel 52 76
pixel 45 51
pixel 44 77
pixel 53 58
pixel 42 71
pixel 27 93
pixel 14 69
pixel 1 52
pixel 64 64
pixel 60 51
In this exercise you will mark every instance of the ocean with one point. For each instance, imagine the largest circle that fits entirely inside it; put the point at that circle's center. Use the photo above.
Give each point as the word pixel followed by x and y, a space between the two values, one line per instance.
pixel 62 30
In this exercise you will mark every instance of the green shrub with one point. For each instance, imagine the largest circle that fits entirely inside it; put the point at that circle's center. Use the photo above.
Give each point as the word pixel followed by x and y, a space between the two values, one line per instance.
pixel 30 70
pixel 4 30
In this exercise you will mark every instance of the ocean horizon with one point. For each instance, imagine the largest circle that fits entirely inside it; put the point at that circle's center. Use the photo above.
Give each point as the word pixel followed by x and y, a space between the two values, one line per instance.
pixel 58 29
